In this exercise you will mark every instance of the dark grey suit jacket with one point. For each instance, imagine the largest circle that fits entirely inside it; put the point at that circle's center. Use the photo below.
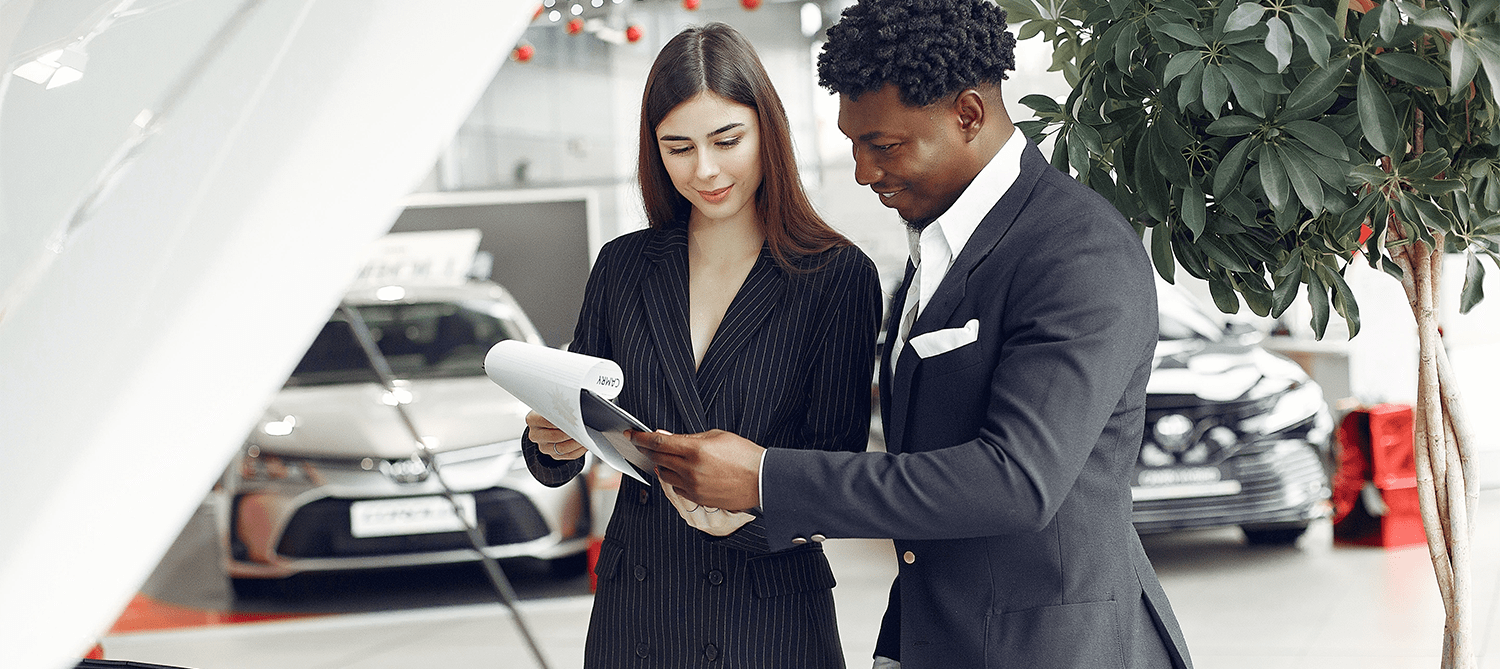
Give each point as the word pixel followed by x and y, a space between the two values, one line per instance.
pixel 1006 485
pixel 788 368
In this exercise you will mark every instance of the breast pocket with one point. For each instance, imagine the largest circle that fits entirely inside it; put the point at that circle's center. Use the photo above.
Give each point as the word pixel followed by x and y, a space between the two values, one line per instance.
pixel 956 360
pixel 1069 635
pixel 791 572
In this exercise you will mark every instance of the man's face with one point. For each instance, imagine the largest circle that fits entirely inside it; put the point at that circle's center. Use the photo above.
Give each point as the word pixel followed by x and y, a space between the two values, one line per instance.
pixel 915 158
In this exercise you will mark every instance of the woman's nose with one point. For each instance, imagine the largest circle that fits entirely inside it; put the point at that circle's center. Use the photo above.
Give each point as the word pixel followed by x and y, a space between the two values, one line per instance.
pixel 708 168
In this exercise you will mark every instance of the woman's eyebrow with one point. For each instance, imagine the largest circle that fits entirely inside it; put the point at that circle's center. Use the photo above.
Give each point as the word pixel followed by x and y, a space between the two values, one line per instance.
pixel 680 138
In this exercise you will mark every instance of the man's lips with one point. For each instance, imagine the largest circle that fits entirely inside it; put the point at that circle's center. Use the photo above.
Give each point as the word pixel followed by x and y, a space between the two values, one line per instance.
pixel 887 196
pixel 715 196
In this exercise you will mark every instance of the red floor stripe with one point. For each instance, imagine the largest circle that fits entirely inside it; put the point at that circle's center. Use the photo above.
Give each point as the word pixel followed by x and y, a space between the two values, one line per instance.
pixel 146 614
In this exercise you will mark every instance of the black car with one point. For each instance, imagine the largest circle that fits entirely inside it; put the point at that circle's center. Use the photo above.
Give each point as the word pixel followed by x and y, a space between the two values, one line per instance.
pixel 1235 434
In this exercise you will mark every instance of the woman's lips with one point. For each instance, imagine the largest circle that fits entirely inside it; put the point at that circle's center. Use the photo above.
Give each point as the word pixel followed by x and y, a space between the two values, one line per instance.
pixel 715 196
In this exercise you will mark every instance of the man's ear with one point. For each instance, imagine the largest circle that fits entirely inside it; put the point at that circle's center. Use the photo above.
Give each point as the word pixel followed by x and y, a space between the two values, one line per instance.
pixel 971 113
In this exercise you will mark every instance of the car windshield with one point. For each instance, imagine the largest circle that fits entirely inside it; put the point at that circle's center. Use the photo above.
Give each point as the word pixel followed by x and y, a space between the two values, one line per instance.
pixel 1181 317
pixel 420 340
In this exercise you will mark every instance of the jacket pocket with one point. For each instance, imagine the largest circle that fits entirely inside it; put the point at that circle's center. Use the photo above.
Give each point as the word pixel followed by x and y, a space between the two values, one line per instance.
pixel 785 573
pixel 610 553
pixel 1067 636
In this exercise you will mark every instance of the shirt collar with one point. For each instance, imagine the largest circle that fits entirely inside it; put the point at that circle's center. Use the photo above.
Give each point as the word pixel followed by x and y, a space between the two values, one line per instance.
pixel 955 226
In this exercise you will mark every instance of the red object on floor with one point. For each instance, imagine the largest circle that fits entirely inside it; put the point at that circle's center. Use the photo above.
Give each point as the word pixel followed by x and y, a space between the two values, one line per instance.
pixel 146 614
pixel 95 653
pixel 1376 449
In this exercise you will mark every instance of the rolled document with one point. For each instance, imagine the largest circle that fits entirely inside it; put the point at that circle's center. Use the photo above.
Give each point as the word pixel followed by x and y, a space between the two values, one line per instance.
pixel 557 384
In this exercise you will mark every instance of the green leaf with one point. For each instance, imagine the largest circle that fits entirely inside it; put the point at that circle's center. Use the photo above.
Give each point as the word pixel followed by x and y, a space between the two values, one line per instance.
pixel 1411 69
pixel 1304 181
pixel 1232 126
pixel 1193 210
pixel 1223 294
pixel 1462 64
pixel 1273 179
pixel 1150 184
pixel 1246 90
pixel 1191 88
pixel 1389 17
pixel 1244 16
pixel 1231 167
pixel 1312 35
pixel 1279 42
pixel 1320 137
pixel 1214 247
pixel 1286 288
pixel 1377 117
pixel 1489 56
pixel 1127 42
pixel 1317 298
pixel 1343 299
pixel 1161 252
pixel 1180 64
pixel 1215 89
pixel 1042 104
pixel 1182 33
pixel 1437 19
pixel 1318 84
pixel 1473 290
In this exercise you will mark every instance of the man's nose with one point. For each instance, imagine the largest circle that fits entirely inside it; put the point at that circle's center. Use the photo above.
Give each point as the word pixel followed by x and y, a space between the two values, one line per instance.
pixel 865 171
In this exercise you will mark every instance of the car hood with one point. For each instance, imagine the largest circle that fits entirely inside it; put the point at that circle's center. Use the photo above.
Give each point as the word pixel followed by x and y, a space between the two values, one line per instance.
pixel 1220 372
pixel 357 420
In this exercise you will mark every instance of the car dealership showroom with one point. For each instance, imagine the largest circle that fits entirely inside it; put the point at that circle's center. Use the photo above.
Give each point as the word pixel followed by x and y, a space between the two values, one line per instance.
pixel 258 259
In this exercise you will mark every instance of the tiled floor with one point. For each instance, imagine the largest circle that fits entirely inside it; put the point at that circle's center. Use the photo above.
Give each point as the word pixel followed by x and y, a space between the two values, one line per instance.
pixel 1242 607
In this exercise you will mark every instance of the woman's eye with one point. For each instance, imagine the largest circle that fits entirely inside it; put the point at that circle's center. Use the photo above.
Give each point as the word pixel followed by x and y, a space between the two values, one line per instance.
pixel 726 143
pixel 675 150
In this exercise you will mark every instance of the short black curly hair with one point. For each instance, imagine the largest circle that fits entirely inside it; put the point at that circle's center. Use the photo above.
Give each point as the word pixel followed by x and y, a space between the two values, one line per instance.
pixel 928 49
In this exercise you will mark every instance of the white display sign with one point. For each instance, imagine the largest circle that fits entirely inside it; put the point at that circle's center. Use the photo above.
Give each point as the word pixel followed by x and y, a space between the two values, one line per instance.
pixel 409 515
pixel 439 257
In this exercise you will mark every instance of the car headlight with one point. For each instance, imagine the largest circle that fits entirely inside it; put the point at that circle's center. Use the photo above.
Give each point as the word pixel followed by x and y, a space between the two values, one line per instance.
pixel 1294 407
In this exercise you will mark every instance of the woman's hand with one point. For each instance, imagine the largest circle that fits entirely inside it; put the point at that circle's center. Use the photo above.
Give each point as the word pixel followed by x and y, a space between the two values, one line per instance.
pixel 553 443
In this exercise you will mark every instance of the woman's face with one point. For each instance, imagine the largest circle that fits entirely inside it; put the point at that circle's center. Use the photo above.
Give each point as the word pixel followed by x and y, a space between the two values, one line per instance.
pixel 711 149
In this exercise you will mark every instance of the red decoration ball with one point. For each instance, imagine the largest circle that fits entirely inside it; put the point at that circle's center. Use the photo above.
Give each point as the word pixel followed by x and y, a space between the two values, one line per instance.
pixel 524 53
pixel 575 26
pixel 750 4
pixel 634 33
pixel 690 4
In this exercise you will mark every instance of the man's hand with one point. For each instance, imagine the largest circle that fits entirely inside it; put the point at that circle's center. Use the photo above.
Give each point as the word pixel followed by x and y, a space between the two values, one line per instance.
pixel 715 468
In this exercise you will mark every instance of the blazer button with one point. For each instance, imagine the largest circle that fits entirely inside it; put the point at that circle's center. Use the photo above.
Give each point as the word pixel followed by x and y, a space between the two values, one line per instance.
pixel 640 571
pixel 645 497
pixel 642 649
pixel 798 541
pixel 908 557
pixel 817 538
pixel 711 652
pixel 715 577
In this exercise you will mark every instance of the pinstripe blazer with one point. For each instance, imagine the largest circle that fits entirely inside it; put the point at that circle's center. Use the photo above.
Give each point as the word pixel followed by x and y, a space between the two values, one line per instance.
pixel 789 367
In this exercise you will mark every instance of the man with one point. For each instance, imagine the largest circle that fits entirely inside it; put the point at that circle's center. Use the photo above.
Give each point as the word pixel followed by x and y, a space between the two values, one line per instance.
pixel 1012 388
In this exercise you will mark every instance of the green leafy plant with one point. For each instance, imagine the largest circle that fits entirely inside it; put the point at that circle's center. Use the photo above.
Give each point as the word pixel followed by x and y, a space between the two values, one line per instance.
pixel 1269 144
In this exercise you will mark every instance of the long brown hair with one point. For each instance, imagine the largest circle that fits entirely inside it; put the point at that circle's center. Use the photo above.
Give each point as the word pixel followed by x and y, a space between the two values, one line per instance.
pixel 717 58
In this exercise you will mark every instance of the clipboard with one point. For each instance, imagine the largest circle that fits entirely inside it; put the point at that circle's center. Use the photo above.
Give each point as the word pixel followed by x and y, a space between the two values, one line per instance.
pixel 605 416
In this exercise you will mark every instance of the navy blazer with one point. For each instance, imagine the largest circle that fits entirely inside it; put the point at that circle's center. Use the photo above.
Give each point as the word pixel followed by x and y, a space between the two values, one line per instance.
pixel 789 368
pixel 1006 484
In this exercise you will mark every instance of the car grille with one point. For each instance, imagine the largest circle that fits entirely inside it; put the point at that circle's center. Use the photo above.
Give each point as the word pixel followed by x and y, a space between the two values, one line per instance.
pixel 321 529
pixel 1274 487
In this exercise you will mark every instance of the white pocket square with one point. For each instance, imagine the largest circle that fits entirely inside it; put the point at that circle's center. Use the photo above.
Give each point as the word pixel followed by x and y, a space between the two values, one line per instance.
pixel 938 342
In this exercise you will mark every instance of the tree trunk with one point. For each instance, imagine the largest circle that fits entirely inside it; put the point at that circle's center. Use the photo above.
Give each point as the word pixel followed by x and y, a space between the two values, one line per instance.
pixel 1447 490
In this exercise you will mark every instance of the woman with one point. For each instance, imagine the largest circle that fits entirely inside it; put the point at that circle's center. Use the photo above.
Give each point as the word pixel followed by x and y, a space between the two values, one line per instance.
pixel 738 309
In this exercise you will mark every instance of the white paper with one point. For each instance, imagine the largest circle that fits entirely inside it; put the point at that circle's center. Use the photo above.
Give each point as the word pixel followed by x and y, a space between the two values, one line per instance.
pixel 550 382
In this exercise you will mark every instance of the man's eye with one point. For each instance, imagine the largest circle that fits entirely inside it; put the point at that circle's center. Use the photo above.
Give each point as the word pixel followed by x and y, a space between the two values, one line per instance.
pixel 883 148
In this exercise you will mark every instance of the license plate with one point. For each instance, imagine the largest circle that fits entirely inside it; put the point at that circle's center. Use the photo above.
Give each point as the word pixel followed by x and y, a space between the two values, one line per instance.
pixel 1182 482
pixel 408 515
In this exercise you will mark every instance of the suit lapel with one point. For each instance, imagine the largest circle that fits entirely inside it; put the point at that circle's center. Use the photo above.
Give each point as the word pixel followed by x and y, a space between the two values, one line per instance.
pixel 893 418
pixel 950 292
pixel 664 294
pixel 751 306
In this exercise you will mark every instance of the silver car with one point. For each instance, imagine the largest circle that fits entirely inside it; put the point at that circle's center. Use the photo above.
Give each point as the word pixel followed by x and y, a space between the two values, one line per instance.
pixel 329 479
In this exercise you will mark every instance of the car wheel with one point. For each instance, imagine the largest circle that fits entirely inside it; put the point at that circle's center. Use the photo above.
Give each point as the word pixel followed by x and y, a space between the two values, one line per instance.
pixel 1273 536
